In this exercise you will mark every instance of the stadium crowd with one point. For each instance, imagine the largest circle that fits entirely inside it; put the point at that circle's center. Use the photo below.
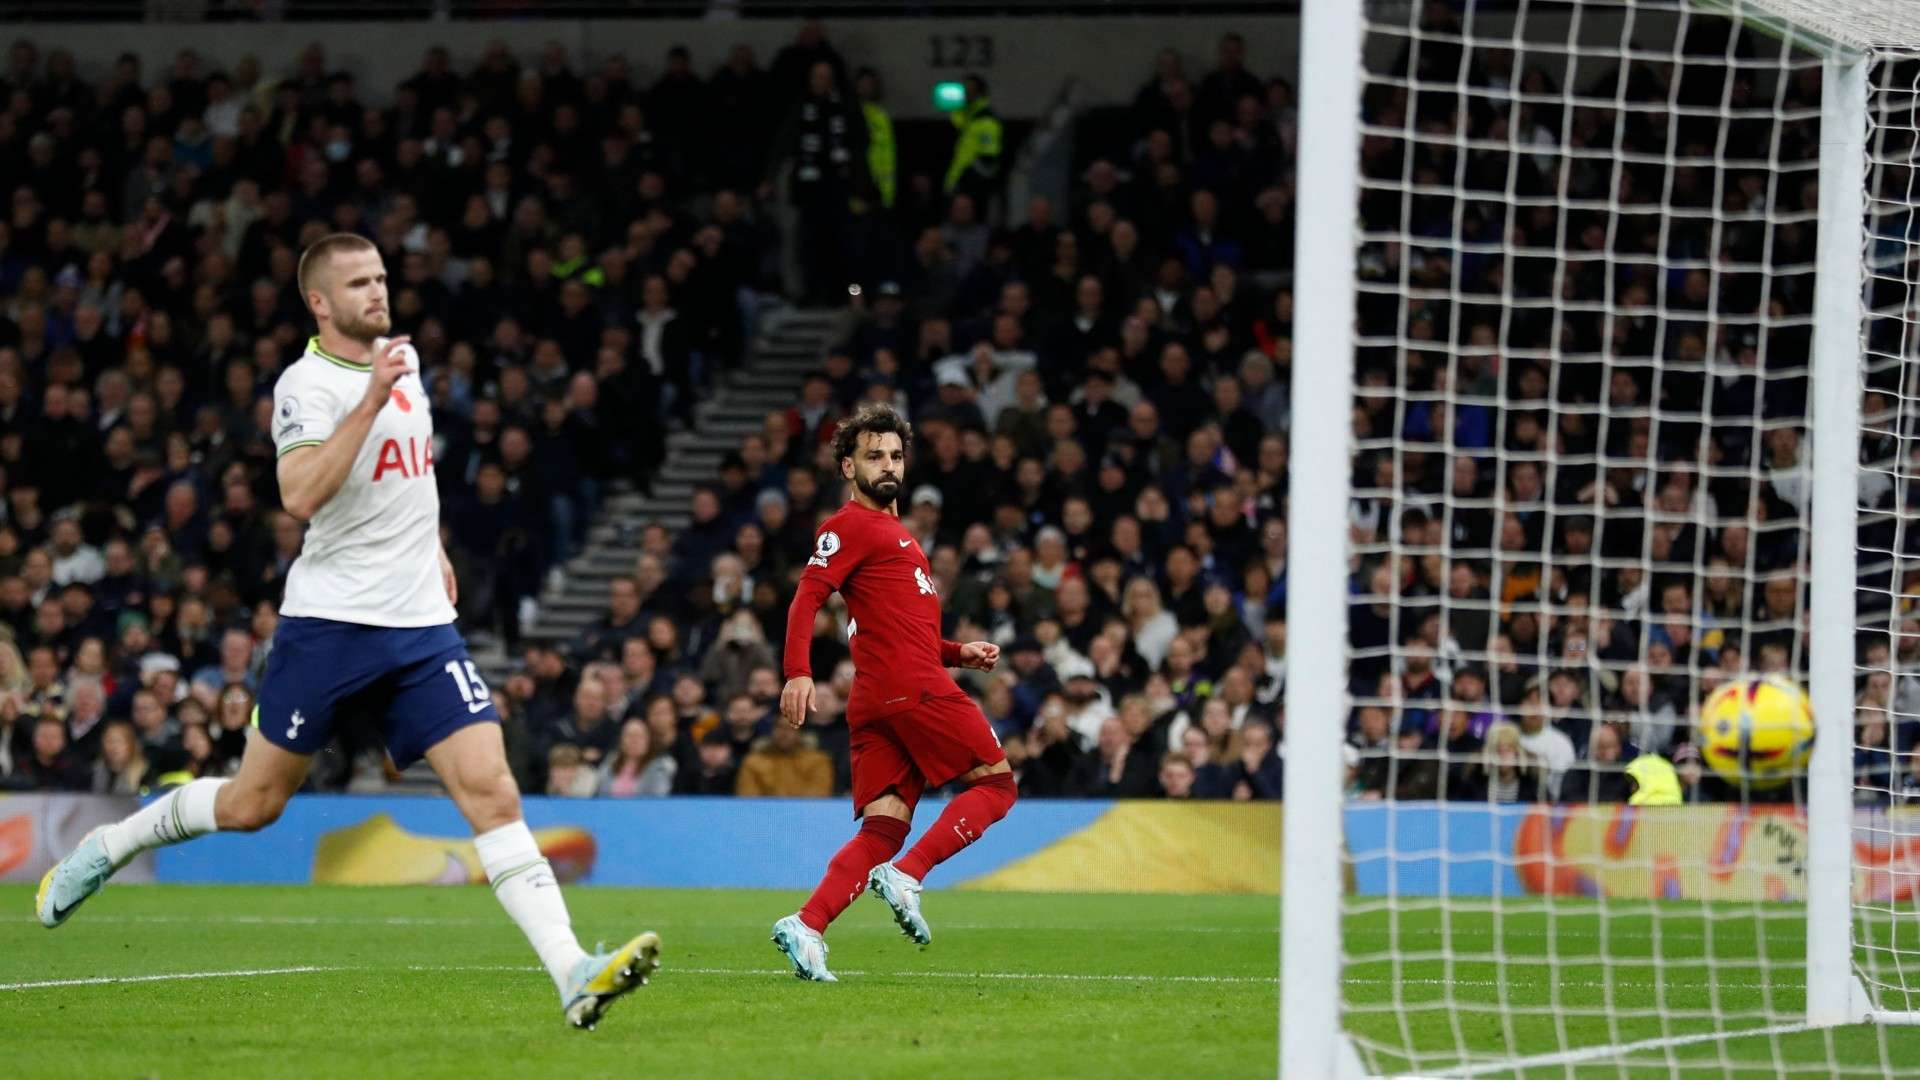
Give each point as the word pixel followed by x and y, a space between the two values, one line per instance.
pixel 1099 391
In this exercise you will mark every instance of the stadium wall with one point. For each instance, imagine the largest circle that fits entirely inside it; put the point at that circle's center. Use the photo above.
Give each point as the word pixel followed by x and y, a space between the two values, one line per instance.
pixel 1705 852
pixel 745 843
pixel 1417 849
pixel 1026 61
pixel 35 830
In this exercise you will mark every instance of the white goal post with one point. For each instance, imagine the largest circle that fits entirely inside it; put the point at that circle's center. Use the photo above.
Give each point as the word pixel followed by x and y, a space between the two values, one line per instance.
pixel 1408 949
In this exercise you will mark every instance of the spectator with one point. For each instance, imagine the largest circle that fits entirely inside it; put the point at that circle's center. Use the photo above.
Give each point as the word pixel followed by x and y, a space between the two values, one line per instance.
pixel 785 763
pixel 51 765
pixel 1176 776
pixel 1209 776
pixel 568 775
pixel 1603 778
pixel 1258 772
pixel 824 140
pixel 606 638
pixel 741 648
pixel 1115 770
pixel 587 728
pixel 1545 743
pixel 122 768
pixel 637 766
pixel 974 170
pixel 1505 772
pixel 713 769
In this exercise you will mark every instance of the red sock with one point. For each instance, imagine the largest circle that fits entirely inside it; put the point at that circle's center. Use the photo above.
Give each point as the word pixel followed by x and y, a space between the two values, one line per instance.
pixel 846 877
pixel 965 818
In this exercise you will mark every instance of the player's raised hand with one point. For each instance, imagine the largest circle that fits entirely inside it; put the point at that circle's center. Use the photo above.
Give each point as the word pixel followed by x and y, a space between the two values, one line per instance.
pixel 389 364
pixel 979 655
pixel 796 701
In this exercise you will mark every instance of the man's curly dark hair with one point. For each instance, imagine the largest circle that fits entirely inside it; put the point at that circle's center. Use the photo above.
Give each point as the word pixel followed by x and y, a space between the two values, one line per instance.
pixel 872 417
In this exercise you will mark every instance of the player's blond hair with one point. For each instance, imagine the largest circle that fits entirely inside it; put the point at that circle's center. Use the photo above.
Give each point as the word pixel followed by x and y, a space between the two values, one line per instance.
pixel 322 251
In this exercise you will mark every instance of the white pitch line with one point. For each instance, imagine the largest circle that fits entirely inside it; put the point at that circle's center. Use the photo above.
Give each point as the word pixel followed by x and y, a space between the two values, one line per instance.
pixel 1560 934
pixel 1074 976
pixel 178 976
pixel 1621 1050
pixel 1007 976
pixel 441 920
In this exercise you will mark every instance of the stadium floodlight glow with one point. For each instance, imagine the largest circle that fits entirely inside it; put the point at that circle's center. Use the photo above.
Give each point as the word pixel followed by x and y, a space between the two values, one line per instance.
pixel 949 95
pixel 1569 269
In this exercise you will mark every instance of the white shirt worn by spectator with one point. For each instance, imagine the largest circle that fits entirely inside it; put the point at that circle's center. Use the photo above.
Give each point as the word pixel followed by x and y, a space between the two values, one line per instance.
pixel 83 564
pixel 1653 731
pixel 1086 721
pixel 1554 751
pixel 1153 640
pixel 372 553
pixel 223 118
pixel 999 394
pixel 653 325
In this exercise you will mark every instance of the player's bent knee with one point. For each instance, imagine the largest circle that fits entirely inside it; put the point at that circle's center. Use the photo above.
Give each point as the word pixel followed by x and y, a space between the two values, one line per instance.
pixel 891 806
pixel 251 811
pixel 493 802
pixel 1002 791
pixel 981 772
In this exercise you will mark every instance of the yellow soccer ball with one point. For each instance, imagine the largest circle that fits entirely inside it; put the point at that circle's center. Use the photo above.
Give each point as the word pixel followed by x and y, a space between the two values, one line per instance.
pixel 1757 730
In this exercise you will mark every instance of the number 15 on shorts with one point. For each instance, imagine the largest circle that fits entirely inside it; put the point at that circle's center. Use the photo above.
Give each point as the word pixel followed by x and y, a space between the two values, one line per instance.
pixel 473 689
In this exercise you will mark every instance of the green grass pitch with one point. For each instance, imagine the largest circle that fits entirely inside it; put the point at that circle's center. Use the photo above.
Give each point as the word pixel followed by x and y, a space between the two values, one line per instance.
pixel 436 982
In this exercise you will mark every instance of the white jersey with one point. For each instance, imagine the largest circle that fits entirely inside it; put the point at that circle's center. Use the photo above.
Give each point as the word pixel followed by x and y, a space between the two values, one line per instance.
pixel 372 553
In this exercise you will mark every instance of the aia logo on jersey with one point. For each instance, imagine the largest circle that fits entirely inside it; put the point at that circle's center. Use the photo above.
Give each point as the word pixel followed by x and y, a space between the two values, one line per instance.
pixel 400 398
pixel 411 459
pixel 926 585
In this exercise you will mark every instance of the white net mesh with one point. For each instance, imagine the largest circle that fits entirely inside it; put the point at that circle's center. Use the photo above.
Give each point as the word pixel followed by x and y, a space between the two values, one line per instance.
pixel 1887 714
pixel 1580 504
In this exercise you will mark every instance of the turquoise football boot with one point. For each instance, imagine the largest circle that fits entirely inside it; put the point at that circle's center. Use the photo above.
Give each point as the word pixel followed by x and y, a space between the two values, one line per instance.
pixel 74 878
pixel 901 894
pixel 806 949
pixel 601 978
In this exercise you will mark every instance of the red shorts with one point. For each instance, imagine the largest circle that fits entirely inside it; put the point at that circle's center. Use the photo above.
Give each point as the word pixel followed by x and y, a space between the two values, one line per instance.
pixel 925 746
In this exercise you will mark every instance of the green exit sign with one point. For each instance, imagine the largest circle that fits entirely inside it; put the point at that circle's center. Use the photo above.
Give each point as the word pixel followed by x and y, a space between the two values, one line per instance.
pixel 948 96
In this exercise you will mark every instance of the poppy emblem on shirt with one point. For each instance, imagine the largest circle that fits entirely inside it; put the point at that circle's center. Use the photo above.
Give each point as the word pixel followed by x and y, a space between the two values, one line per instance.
pixel 400 399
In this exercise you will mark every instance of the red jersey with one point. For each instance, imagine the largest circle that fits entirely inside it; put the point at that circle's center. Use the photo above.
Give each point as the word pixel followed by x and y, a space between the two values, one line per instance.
pixel 893 609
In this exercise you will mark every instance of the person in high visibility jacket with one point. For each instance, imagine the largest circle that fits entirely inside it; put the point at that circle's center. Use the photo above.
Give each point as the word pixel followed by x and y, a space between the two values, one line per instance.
pixel 975 169
pixel 1655 783
pixel 882 159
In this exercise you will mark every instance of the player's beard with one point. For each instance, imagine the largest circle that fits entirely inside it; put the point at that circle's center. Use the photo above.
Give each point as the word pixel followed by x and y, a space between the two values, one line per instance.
pixel 883 489
pixel 363 327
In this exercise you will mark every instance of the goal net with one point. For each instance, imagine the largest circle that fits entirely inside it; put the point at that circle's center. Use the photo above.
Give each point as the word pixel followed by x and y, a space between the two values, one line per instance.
pixel 1597 288
pixel 1886 757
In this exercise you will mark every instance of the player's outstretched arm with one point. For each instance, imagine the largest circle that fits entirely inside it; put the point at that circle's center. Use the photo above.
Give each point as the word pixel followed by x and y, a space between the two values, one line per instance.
pixel 310 475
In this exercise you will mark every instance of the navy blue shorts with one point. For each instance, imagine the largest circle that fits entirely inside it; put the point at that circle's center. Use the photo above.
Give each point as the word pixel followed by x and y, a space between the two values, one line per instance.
pixel 419 685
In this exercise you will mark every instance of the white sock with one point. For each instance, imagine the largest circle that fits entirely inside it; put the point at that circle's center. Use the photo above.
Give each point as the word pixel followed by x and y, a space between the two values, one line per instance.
pixel 524 882
pixel 180 815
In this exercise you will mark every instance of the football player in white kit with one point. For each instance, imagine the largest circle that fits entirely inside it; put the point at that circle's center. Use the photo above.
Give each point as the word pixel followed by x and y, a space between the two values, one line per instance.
pixel 367 624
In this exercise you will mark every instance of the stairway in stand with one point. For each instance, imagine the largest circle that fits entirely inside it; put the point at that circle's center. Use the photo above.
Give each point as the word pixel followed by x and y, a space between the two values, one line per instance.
pixel 792 342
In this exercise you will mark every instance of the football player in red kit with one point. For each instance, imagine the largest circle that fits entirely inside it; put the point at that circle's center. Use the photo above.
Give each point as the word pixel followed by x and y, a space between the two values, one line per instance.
pixel 910 727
